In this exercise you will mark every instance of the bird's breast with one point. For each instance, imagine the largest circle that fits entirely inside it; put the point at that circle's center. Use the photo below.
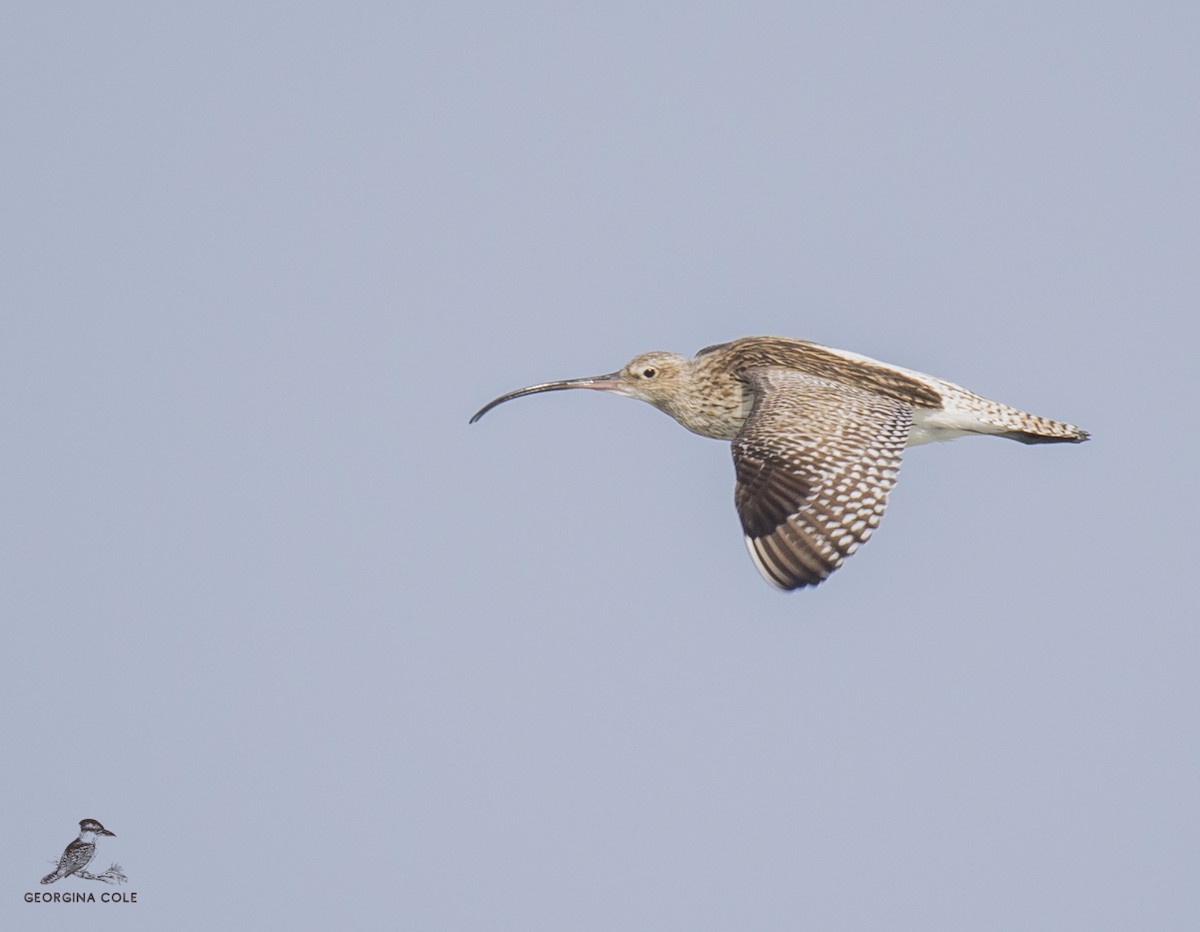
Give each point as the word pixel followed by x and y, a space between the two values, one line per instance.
pixel 719 415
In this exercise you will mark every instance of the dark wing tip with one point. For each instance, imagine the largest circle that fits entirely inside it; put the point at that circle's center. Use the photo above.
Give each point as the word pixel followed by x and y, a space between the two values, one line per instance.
pixel 789 560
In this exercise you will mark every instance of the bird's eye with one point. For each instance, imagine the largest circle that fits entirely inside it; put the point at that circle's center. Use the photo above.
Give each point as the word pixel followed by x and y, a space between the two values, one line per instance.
pixel 649 372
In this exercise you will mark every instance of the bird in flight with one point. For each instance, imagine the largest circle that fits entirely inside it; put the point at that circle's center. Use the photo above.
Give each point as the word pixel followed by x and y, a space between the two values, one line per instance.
pixel 817 435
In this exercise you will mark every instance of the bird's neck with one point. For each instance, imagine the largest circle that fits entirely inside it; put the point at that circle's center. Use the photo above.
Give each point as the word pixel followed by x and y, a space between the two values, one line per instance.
pixel 711 403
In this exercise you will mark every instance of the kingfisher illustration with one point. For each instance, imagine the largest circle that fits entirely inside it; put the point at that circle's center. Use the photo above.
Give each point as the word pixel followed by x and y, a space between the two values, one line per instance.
pixel 817 434
pixel 79 853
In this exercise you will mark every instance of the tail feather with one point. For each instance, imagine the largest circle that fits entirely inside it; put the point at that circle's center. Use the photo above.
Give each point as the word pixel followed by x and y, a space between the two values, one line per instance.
pixel 1023 436
pixel 1030 428
pixel 994 417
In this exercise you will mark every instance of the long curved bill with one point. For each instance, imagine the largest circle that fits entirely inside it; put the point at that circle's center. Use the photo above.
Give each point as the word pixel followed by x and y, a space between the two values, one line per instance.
pixel 602 383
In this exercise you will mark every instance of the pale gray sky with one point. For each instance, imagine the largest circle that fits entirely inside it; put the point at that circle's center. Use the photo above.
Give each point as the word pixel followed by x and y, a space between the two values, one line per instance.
pixel 323 655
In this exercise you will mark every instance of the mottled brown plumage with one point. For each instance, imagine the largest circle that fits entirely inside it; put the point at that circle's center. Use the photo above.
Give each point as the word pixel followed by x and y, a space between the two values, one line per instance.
pixel 817 435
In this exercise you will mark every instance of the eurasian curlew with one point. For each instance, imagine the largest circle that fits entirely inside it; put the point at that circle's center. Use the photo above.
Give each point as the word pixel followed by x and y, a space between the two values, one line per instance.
pixel 817 436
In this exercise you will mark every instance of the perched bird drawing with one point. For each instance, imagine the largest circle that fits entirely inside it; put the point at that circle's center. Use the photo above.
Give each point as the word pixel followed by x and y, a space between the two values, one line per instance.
pixel 79 852
pixel 817 435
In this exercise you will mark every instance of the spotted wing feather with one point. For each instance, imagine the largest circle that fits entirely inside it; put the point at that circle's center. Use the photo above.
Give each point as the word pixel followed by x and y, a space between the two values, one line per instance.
pixel 815 461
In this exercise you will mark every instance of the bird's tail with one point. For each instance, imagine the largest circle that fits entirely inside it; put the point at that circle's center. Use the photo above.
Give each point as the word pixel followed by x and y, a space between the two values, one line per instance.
pixel 51 877
pixel 1043 430
pixel 994 417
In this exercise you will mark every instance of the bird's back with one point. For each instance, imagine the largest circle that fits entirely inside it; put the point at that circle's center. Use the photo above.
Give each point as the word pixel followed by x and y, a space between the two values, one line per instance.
pixel 941 410
pixel 823 362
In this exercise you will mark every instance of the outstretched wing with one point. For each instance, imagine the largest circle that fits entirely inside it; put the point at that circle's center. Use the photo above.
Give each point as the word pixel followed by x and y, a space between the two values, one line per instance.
pixel 815 461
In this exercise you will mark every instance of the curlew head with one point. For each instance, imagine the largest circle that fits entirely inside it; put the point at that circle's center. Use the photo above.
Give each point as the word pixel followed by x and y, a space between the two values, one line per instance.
pixel 656 378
